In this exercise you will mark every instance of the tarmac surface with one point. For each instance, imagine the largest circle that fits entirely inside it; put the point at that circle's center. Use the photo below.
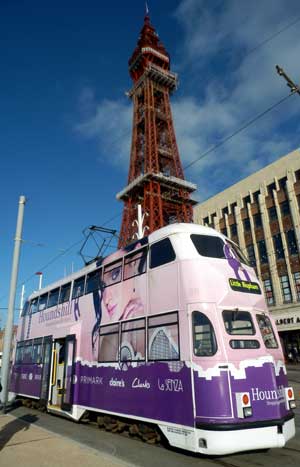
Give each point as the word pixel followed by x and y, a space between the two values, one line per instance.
pixel 23 442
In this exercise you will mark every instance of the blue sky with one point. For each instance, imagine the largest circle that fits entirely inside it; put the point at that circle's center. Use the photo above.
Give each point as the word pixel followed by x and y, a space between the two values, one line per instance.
pixel 65 120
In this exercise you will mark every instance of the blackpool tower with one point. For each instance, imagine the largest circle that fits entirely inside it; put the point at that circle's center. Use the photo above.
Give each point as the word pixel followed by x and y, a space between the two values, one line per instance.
pixel 155 180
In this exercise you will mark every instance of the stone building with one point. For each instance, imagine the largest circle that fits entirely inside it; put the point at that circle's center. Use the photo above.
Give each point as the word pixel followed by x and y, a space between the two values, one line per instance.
pixel 262 214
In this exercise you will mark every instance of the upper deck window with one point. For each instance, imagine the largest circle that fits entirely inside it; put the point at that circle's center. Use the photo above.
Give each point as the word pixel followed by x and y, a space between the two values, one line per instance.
pixel 53 297
pixel 135 263
pixel 267 332
pixel 78 288
pixel 34 305
pixel 93 281
pixel 65 293
pixel 161 252
pixel 238 323
pixel 25 310
pixel 208 245
pixel 213 247
pixel 112 273
pixel 43 302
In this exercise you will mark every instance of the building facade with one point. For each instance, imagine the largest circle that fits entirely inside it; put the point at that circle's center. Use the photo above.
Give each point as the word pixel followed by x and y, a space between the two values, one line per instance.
pixel 262 214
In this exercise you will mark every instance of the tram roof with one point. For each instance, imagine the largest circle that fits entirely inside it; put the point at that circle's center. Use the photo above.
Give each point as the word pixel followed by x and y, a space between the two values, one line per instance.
pixel 172 229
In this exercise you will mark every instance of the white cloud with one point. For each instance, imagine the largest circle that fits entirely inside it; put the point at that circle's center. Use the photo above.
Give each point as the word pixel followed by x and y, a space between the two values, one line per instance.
pixel 109 123
pixel 228 83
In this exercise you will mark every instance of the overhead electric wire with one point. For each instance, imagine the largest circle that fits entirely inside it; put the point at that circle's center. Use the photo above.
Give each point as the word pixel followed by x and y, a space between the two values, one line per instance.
pixel 270 38
pixel 239 130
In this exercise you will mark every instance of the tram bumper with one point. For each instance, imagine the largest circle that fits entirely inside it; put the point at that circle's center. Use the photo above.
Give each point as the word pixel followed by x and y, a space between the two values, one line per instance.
pixel 223 440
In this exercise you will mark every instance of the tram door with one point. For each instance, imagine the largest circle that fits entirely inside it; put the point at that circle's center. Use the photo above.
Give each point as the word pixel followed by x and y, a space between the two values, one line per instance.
pixel 62 372
pixel 47 353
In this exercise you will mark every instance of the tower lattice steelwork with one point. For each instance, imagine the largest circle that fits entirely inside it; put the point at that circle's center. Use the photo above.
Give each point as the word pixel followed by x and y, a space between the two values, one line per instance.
pixel 156 180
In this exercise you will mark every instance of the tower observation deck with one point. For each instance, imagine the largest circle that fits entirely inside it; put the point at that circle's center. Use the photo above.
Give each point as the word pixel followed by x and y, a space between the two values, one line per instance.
pixel 155 180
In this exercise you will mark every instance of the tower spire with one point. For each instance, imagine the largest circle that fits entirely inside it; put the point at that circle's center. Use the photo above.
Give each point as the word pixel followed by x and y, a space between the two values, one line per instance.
pixel 155 179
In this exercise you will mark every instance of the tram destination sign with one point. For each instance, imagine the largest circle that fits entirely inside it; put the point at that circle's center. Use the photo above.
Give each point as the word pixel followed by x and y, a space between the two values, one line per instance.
pixel 244 286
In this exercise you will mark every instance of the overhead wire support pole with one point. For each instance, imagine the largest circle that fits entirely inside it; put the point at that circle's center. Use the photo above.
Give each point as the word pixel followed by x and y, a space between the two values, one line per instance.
pixel 294 87
pixel 11 305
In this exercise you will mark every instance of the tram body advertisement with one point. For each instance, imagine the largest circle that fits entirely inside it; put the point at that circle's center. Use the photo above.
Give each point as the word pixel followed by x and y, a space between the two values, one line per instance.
pixel 173 331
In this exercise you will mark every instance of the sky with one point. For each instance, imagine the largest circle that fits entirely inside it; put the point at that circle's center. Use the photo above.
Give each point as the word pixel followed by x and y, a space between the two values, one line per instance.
pixel 65 120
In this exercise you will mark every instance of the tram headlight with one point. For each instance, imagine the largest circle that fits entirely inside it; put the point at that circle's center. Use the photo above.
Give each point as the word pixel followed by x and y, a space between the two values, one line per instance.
pixel 243 404
pixel 290 402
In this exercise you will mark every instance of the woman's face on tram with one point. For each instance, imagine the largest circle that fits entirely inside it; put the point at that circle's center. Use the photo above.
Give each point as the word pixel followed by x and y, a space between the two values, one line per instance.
pixel 113 295
pixel 117 297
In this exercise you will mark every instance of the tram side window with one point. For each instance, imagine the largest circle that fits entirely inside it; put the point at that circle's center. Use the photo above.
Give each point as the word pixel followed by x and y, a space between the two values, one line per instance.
pixel 133 340
pixel 43 302
pixel 27 352
pixel 112 273
pixel 161 252
pixel 34 305
pixel 65 291
pixel 267 332
pixel 238 322
pixel 163 337
pixel 204 339
pixel 109 343
pixel 37 351
pixel 135 263
pixel 19 353
pixel 93 281
pixel 244 344
pixel 78 288
pixel 53 297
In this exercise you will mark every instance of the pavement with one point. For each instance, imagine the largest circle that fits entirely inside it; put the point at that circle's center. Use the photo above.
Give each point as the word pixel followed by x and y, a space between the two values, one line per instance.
pixel 26 444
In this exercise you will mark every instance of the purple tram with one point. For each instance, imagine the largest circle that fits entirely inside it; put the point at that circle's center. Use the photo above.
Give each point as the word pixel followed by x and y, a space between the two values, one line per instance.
pixel 172 330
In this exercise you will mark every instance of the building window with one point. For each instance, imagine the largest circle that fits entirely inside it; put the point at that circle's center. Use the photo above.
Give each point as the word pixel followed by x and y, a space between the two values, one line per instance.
pixel 233 230
pixel 296 276
pixel 285 208
pixel 255 196
pixel 291 242
pixel 247 225
pixel 232 206
pixel 205 221
pixel 298 199
pixel 262 250
pixel 286 289
pixel 269 292
pixel 297 175
pixel 272 213
pixel 246 200
pixel 278 246
pixel 282 184
pixel 257 220
pixel 271 187
pixel 225 211
pixel 224 231
pixel 251 255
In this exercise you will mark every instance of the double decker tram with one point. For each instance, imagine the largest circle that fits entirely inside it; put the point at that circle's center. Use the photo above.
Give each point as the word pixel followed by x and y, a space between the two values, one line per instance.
pixel 172 330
